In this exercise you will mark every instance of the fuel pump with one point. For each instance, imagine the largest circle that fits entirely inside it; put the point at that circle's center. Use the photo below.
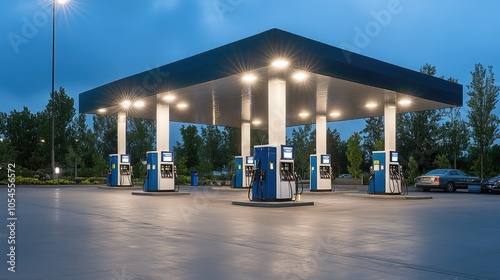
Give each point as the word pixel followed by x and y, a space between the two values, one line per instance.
pixel 386 178
pixel 160 170
pixel 120 170
pixel 321 173
pixel 273 177
pixel 244 167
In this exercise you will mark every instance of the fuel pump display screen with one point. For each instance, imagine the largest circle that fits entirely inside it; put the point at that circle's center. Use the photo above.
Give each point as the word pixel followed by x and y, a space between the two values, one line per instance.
pixel 125 158
pixel 394 156
pixel 249 160
pixel 287 152
pixel 167 156
pixel 325 159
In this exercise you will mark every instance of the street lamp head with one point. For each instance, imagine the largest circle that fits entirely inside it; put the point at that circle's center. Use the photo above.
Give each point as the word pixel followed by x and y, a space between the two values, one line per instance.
pixel 62 2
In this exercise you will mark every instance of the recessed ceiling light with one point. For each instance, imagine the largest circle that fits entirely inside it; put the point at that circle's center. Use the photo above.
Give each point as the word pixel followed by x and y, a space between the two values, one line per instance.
pixel 371 105
pixel 256 122
pixel 249 78
pixel 169 98
pixel 182 105
pixel 280 63
pixel 102 110
pixel 126 104
pixel 303 114
pixel 335 114
pixel 404 102
pixel 139 104
pixel 300 76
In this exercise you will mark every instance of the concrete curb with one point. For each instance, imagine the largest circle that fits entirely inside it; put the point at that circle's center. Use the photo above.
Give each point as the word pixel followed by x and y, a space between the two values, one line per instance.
pixel 382 196
pixel 272 204
pixel 118 188
pixel 160 193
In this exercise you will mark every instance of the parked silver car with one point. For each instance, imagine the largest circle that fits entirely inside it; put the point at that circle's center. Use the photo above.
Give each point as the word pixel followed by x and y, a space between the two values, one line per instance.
pixel 447 179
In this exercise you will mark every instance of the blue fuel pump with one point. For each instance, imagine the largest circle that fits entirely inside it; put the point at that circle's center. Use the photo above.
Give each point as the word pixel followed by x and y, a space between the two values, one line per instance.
pixel 321 172
pixel 160 172
pixel 119 170
pixel 386 176
pixel 274 176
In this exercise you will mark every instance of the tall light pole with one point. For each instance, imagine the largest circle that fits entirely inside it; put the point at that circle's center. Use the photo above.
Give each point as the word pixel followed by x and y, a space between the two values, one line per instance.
pixel 53 156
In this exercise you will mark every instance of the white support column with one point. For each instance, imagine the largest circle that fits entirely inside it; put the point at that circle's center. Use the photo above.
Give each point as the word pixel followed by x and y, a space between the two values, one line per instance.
pixel 389 132
pixel 245 139
pixel 320 135
pixel 162 127
pixel 122 132
pixel 277 111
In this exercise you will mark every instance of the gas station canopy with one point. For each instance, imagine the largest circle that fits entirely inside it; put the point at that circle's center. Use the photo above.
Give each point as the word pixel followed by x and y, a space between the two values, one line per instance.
pixel 229 84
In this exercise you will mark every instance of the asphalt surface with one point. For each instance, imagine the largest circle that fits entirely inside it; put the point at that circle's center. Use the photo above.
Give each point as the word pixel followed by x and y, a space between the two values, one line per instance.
pixel 88 233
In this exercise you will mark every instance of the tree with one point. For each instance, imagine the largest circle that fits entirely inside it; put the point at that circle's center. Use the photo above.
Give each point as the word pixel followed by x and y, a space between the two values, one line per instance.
pixel 338 150
pixel 21 134
pixel 190 147
pixel 413 170
pixel 304 141
pixel 484 123
pixel 140 139
pixel 64 113
pixel 418 132
pixel 354 155
pixel 105 135
pixel 374 133
pixel 454 134
pixel 213 156
pixel 442 162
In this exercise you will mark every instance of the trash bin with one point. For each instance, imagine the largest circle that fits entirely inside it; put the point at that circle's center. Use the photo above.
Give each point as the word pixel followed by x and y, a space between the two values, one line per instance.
pixel 194 178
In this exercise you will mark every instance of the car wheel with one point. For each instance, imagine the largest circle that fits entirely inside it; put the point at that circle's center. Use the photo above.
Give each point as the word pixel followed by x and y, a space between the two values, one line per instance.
pixel 426 189
pixel 450 187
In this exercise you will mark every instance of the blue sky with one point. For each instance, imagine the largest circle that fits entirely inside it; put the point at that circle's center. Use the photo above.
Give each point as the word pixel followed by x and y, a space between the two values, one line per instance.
pixel 100 41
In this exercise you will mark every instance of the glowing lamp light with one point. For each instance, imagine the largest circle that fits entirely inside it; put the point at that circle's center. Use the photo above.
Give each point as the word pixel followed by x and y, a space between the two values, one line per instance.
pixel 404 102
pixel 57 170
pixel 335 114
pixel 182 105
pixel 139 104
pixel 102 110
pixel 169 98
pixel 256 122
pixel 126 104
pixel 371 105
pixel 249 78
pixel 62 2
pixel 300 76
pixel 280 63
pixel 303 114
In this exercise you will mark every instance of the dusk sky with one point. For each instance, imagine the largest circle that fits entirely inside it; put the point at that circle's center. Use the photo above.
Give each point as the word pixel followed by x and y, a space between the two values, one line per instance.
pixel 98 42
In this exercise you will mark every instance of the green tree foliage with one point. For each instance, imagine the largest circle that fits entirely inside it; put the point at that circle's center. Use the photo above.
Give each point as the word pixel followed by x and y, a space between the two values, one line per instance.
pixel 21 134
pixel 413 171
pixel 338 151
pixel 214 156
pixel 141 135
pixel 418 132
pixel 484 123
pixel 454 134
pixel 442 162
pixel 190 147
pixel 354 155
pixel 64 113
pixel 232 145
pixel 304 142
pixel 259 137
pixel 373 134
pixel 105 133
